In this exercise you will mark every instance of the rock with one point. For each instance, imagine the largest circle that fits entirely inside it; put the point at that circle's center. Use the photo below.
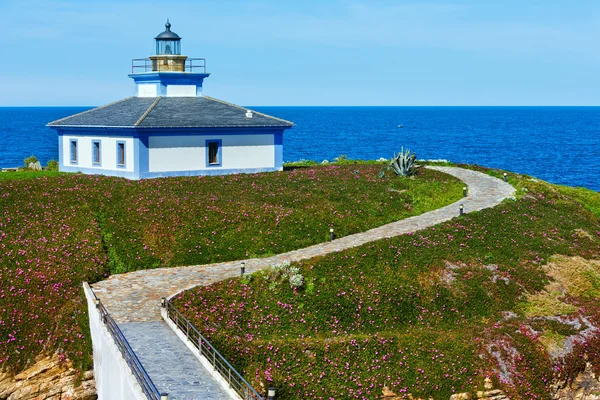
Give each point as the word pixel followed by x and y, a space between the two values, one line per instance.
pixel 461 396
pixel 36 166
pixel 487 383
pixel 586 386
pixel 491 393
pixel 48 379
pixel 387 393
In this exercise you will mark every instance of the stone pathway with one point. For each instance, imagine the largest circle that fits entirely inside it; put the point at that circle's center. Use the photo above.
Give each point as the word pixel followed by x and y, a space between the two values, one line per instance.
pixel 133 299
pixel 135 296
pixel 171 365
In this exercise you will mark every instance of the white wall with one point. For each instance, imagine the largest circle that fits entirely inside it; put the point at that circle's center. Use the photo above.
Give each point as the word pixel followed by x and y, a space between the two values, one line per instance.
pixel 185 153
pixel 114 379
pixel 108 152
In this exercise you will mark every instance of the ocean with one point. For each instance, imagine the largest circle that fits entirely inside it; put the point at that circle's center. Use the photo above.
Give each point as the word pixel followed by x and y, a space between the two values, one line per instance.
pixel 557 144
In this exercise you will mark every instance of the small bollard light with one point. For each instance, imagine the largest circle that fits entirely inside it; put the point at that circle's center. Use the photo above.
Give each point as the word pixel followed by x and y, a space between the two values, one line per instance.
pixel 164 396
pixel 243 269
pixel 464 191
pixel 462 209
pixel 331 234
pixel 271 394
pixel 97 302
pixel 163 302
pixel 505 177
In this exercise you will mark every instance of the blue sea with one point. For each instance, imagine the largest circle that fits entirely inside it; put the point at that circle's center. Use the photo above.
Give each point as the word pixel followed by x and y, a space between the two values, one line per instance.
pixel 557 144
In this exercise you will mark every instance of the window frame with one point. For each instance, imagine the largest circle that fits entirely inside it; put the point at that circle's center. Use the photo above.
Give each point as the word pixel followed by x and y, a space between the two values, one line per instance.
pixel 124 164
pixel 219 144
pixel 73 160
pixel 97 163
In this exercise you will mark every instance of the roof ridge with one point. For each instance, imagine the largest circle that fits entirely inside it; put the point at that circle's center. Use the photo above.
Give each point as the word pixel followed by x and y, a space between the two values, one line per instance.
pixel 145 114
pixel 244 108
pixel 90 110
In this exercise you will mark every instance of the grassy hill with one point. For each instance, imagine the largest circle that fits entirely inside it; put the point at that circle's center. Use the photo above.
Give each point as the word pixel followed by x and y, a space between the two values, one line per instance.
pixel 510 292
pixel 57 230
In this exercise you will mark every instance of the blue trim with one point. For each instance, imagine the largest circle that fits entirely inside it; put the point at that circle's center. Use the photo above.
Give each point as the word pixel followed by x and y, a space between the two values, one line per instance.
pixel 131 131
pixel 170 78
pixel 60 152
pixel 71 162
pixel 206 172
pixel 124 165
pixel 278 150
pixel 143 155
pixel 108 172
pixel 97 163
pixel 219 162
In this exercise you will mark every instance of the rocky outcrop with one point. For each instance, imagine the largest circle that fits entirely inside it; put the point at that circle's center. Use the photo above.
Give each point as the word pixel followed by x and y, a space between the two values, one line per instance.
pixel 488 394
pixel 586 386
pixel 48 379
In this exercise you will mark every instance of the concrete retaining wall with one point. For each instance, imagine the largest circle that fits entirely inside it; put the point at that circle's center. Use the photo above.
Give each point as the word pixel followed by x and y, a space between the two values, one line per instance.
pixel 114 379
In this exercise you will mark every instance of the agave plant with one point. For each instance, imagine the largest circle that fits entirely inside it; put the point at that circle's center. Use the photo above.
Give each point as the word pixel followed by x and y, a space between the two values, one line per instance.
pixel 403 163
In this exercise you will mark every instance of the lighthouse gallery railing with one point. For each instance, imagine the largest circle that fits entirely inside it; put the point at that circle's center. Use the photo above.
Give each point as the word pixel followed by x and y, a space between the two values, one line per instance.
pixel 192 65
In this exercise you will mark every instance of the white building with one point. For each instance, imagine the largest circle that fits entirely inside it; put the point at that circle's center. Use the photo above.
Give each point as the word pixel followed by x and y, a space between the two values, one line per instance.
pixel 169 128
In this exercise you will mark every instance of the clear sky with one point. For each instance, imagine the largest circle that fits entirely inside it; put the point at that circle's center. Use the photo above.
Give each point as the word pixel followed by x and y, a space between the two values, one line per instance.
pixel 326 52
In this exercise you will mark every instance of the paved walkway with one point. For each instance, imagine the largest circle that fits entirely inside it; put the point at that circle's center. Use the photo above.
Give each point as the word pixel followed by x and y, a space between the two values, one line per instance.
pixel 171 365
pixel 133 299
pixel 135 296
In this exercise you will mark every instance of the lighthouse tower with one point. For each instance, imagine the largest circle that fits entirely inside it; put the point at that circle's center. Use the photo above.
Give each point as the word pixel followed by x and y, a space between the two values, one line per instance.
pixel 169 128
pixel 168 73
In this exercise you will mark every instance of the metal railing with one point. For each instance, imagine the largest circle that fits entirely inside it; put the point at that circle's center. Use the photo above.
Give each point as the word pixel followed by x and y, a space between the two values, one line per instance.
pixel 148 387
pixel 139 65
pixel 233 378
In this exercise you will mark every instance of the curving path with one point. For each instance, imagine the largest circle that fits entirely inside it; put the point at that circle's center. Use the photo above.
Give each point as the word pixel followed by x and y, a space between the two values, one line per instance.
pixel 133 299
pixel 135 296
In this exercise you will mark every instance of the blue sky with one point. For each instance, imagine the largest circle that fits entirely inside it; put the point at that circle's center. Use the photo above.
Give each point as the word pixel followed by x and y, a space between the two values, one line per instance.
pixel 328 52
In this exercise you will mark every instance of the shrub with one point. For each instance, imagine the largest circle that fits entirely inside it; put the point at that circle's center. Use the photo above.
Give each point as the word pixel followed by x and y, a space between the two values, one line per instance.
pixel 403 163
pixel 52 165
pixel 29 160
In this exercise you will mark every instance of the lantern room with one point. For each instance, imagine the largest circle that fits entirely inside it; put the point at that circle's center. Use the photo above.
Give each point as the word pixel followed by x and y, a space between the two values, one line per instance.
pixel 168 43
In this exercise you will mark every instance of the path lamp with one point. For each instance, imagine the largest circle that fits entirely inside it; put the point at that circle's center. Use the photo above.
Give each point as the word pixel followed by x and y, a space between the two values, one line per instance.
pixel 464 191
pixel 97 302
pixel 243 269
pixel 505 177
pixel 271 394
pixel 462 209
pixel 164 396
pixel 331 234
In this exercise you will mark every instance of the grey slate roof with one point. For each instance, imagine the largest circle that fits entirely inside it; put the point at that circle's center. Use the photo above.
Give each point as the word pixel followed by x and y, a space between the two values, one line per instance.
pixel 170 112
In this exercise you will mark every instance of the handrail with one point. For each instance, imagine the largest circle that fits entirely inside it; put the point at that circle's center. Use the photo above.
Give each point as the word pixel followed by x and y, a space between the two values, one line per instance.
pixel 139 65
pixel 144 380
pixel 221 365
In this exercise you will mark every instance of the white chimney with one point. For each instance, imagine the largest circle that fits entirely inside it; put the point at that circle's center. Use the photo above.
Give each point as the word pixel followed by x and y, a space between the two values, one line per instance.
pixel 249 114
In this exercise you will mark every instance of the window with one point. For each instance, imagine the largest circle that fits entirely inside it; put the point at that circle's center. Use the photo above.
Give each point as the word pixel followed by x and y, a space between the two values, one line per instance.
pixel 213 153
pixel 121 154
pixel 73 155
pixel 96 152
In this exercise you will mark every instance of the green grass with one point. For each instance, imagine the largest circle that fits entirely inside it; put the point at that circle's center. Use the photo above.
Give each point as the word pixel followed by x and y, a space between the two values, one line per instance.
pixel 58 230
pixel 423 314
pixel 25 174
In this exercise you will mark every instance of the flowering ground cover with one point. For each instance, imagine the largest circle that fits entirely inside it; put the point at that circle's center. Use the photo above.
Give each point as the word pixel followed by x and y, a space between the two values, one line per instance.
pixel 57 230
pixel 510 292
pixel 187 221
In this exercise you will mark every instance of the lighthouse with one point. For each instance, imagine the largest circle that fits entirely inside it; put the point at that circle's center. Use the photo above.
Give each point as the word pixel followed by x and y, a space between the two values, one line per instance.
pixel 169 127
pixel 168 72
